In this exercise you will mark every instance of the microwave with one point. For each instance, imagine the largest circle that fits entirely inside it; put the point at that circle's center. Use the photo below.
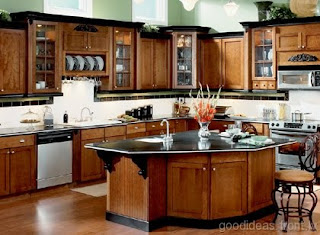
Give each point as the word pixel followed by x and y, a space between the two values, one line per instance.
pixel 299 77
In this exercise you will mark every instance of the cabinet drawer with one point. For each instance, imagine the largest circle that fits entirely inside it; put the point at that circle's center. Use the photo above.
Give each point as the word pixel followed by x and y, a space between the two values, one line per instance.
pixel 114 131
pixel 92 134
pixel 255 85
pixel 272 85
pixel 17 141
pixel 228 157
pixel 136 128
pixel 263 85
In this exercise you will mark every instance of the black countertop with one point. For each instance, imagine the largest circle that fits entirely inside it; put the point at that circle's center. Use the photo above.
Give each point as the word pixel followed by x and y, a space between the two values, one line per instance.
pixel 184 142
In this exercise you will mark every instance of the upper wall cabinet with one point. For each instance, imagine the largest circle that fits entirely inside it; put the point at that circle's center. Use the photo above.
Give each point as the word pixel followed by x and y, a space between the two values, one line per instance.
pixel 124 59
pixel 12 61
pixel 298 37
pixel 264 59
pixel 44 55
pixel 221 63
pixel 75 38
pixel 153 63
pixel 184 60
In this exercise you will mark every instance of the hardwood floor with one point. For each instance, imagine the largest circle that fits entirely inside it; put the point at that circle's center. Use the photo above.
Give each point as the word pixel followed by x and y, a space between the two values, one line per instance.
pixel 61 211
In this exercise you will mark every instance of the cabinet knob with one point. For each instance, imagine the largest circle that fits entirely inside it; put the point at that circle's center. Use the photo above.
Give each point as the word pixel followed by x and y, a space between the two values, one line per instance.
pixel 153 126
pixel 12 152
pixel 89 47
pixel 136 127
pixel 299 47
pixel 115 87
pixel 86 47
pixel 22 141
pixel 2 90
pixel 204 169
pixel 303 46
pixel 57 88
pixel 214 169
pixel 103 141
pixel 8 152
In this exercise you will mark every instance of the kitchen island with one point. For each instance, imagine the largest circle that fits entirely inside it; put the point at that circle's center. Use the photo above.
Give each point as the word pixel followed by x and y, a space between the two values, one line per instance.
pixel 187 182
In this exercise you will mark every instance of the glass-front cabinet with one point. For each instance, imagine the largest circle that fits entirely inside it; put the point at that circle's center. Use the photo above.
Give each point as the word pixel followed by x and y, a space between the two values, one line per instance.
pixel 184 60
pixel 264 66
pixel 44 75
pixel 124 59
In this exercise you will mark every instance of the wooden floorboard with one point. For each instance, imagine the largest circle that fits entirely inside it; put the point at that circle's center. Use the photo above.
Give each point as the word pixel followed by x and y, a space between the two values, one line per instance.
pixel 61 211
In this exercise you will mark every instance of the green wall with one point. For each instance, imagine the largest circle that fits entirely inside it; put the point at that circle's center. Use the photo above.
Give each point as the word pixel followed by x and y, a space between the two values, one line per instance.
pixel 104 9
pixel 210 13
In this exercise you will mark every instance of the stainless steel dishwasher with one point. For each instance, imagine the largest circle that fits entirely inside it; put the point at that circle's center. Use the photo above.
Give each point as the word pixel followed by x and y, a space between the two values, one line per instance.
pixel 54 158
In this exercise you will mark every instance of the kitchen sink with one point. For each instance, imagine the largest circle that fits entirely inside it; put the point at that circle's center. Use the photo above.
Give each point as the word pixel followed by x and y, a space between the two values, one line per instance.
pixel 151 140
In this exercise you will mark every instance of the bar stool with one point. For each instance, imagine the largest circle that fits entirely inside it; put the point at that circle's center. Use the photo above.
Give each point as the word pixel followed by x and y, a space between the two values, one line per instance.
pixel 301 180
pixel 247 127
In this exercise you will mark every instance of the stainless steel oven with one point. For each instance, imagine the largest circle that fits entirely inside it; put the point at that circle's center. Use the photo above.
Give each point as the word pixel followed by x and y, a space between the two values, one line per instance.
pixel 299 77
pixel 287 156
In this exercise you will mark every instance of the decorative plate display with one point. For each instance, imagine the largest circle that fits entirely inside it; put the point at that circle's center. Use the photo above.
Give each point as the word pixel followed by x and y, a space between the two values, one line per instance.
pixel 70 63
pixel 100 62
pixel 76 63
pixel 86 64
pixel 96 64
pixel 90 61
pixel 81 62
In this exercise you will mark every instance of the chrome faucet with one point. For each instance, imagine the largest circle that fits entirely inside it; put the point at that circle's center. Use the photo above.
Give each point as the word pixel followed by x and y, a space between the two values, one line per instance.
pixel 90 114
pixel 168 137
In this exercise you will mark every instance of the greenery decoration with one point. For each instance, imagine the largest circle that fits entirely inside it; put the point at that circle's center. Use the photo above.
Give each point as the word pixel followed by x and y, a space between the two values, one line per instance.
pixel 4 15
pixel 150 28
pixel 280 12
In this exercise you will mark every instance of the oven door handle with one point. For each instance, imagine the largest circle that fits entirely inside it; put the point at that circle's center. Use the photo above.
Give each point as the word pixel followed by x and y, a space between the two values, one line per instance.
pixel 290 133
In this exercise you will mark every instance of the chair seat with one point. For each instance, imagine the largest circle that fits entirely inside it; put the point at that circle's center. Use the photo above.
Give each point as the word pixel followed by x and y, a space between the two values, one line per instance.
pixel 294 176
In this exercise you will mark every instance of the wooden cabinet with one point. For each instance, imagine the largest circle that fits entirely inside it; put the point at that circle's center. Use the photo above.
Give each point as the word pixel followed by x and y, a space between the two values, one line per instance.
pixel 124 59
pixel 228 185
pixel 86 41
pixel 298 37
pixel 188 191
pixel 136 130
pixel 12 61
pixel 262 128
pixel 4 172
pixel 91 164
pixel 184 60
pixel 153 64
pixel 22 169
pixel 222 63
pixel 17 164
pixel 264 59
pixel 44 57
pixel 219 125
pixel 232 63
pixel 210 62
pixel 180 125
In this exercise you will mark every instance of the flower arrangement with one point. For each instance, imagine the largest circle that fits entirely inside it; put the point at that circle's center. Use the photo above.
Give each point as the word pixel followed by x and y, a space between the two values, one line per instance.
pixel 204 107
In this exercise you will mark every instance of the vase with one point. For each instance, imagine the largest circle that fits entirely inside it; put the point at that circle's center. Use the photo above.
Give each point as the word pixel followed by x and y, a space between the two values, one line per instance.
pixel 263 9
pixel 204 132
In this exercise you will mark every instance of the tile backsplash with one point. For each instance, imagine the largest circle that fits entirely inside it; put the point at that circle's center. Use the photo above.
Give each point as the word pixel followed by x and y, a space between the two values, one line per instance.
pixel 81 94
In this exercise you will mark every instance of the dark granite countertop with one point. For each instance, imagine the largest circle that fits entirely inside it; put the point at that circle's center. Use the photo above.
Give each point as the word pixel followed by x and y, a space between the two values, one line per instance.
pixel 184 142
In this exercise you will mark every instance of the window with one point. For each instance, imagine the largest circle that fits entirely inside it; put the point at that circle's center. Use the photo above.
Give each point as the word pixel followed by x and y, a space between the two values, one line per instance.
pixel 68 7
pixel 150 11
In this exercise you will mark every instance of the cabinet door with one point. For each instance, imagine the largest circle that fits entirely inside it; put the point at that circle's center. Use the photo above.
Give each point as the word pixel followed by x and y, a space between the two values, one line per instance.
pixel 98 42
pixel 210 60
pixel 91 164
pixel 4 172
pixel 289 38
pixel 124 62
pixel 12 61
pixel 188 190
pixel 22 169
pixel 219 125
pixel 311 37
pixel 184 60
pixel 232 63
pixel 145 64
pixel 44 57
pixel 161 64
pixel 228 189
pixel 75 41
pixel 180 125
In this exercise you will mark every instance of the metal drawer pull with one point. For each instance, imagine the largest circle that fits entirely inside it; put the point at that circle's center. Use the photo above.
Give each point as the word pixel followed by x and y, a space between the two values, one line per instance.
pixel 136 127
pixel 8 152
pixel 22 141
pixel 153 126
pixel 214 169
pixel 204 169
pixel 12 152
pixel 2 89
